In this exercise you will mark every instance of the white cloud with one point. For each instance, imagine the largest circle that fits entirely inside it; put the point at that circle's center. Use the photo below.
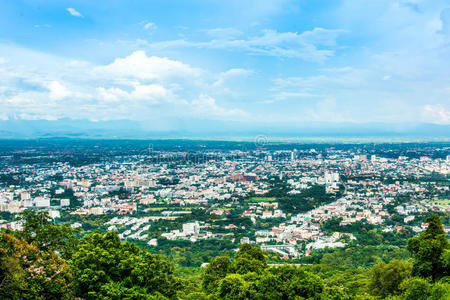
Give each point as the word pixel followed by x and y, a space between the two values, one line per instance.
pixel 321 36
pixel 294 95
pixel 150 26
pixel 206 106
pixel 74 12
pixel 224 33
pixel 328 78
pixel 436 113
pixel 58 91
pixel 135 86
pixel 42 26
pixel 149 94
pixel 139 65
pixel 314 45
pixel 31 116
pixel 328 110
pixel 230 74
pixel 77 64
pixel 113 94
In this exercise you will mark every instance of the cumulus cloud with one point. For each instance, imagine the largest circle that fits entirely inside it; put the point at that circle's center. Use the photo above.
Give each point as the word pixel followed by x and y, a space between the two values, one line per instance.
pixel 74 12
pixel 57 91
pixel 135 86
pixel 139 65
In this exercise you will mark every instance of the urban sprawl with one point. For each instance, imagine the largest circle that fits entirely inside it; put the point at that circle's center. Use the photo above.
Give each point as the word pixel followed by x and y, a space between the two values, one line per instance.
pixel 278 199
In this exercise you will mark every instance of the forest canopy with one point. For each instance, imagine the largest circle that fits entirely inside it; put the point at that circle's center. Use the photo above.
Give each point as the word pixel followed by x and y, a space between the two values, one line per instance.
pixel 49 261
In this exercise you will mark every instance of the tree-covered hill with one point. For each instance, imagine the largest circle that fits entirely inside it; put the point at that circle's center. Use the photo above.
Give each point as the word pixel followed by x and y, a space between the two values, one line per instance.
pixel 48 261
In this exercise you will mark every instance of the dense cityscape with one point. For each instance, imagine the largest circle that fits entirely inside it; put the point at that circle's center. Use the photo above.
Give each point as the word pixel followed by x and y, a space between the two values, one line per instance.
pixel 289 202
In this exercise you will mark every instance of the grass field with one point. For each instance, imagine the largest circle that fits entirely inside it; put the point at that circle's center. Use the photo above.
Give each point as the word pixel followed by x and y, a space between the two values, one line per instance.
pixel 167 208
pixel 261 199
pixel 155 208
pixel 441 202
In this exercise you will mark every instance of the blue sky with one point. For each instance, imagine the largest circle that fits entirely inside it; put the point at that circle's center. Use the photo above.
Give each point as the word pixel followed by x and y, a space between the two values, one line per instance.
pixel 256 61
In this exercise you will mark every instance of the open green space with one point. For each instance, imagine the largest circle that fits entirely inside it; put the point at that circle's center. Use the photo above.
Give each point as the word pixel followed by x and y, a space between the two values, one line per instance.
pixel 441 202
pixel 261 199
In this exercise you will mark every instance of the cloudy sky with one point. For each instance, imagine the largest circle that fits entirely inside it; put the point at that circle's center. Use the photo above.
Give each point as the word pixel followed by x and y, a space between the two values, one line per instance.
pixel 256 61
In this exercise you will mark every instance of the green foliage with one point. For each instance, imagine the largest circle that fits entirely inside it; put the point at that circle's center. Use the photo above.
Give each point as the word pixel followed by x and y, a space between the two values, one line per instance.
pixel 194 275
pixel 196 296
pixel 266 286
pixel 365 296
pixel 106 267
pixel 284 282
pixel 386 278
pixel 189 254
pixel 445 259
pixel 427 250
pixel 357 256
pixel 217 269
pixel 250 278
pixel 39 228
pixel 416 288
pixel 26 272
pixel 250 252
pixel 305 285
pixel 440 290
pixel 49 261
pixel 233 286
pixel 353 281
pixel 336 293
pixel 306 200
pixel 249 259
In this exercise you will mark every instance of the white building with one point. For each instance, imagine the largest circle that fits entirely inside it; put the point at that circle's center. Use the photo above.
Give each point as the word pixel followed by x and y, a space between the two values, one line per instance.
pixel 191 228
pixel 65 202
pixel 42 202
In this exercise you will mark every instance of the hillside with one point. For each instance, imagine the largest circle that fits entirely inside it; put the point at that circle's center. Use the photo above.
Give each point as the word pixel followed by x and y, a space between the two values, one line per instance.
pixel 49 261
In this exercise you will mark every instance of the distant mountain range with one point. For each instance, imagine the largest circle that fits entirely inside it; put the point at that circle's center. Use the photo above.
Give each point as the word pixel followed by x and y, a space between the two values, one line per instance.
pixel 70 128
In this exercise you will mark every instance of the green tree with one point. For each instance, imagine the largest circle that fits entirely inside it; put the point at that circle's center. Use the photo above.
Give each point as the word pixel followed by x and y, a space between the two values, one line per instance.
pixel 427 250
pixel 249 259
pixel 306 285
pixel 266 286
pixel 233 287
pixel 28 273
pixel 250 252
pixel 445 259
pixel 196 296
pixel 39 228
pixel 298 283
pixel 216 270
pixel 416 288
pixel 336 293
pixel 386 278
pixel 440 290
pixel 105 267
pixel 246 265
